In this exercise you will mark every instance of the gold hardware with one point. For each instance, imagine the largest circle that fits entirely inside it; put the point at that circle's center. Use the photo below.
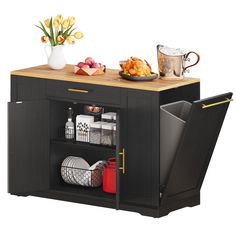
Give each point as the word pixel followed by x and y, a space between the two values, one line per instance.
pixel 123 161
pixel 216 103
pixel 78 90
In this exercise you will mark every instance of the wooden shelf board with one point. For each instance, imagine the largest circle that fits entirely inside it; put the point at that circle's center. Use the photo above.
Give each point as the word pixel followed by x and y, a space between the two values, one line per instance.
pixel 96 193
pixel 83 144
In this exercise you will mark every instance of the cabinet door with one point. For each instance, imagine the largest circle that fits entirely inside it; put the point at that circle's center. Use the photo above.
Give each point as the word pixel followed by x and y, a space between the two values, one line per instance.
pixel 139 136
pixel 28 143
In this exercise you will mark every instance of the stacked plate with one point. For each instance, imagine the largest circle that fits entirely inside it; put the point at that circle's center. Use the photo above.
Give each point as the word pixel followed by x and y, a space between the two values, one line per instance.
pixel 75 170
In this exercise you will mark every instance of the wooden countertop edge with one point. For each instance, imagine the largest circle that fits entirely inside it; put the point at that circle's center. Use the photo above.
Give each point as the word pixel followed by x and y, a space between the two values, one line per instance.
pixel 112 83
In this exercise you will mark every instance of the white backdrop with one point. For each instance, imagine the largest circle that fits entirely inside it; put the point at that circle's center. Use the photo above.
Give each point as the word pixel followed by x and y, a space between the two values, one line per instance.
pixel 115 30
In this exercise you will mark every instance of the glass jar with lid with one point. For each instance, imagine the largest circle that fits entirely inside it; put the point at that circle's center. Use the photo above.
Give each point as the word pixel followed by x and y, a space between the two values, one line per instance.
pixel 113 114
pixel 114 118
pixel 114 135
pixel 107 117
pixel 95 133
pixel 107 134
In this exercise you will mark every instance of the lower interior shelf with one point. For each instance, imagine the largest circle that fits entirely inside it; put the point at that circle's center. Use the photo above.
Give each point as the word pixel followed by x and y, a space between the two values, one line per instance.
pixel 96 193
pixel 63 141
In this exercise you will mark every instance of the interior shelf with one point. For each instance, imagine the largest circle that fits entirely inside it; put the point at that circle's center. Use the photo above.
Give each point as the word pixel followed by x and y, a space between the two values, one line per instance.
pixel 96 193
pixel 82 144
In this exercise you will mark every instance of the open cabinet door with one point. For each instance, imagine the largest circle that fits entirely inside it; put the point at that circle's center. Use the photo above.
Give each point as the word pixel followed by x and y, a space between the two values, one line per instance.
pixel 196 147
pixel 28 143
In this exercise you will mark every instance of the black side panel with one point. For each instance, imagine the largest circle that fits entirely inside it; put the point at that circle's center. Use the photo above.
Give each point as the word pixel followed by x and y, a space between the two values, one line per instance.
pixel 196 146
pixel 13 88
pixel 188 93
pixel 27 88
pixel 28 157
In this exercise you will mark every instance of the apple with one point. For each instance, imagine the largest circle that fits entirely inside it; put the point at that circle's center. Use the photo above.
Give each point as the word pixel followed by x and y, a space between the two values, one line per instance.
pixel 95 65
pixel 89 61
pixel 80 64
pixel 85 66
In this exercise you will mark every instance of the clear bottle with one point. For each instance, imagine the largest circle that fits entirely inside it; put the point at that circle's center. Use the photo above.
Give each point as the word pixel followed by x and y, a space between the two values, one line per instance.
pixel 69 127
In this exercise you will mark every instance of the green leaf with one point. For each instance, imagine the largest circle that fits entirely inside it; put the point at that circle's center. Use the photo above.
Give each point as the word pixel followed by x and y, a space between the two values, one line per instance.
pixel 38 27
pixel 51 32
pixel 69 33
pixel 44 30
pixel 46 33
pixel 65 34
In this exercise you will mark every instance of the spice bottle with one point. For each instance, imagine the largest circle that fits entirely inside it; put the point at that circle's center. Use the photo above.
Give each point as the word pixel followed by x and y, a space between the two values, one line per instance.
pixel 69 126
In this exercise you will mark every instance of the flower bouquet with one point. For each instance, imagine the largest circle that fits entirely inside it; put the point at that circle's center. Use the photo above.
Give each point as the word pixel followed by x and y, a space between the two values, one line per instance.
pixel 57 31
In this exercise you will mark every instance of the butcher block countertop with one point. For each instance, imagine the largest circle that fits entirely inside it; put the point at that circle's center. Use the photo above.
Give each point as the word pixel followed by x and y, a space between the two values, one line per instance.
pixel 110 78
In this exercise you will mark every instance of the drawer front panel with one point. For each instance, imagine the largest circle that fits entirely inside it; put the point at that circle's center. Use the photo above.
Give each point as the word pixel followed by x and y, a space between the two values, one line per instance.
pixel 83 92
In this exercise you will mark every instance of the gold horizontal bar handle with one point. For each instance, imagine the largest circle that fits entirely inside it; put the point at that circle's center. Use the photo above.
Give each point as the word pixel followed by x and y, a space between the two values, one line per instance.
pixel 227 100
pixel 78 90
pixel 123 161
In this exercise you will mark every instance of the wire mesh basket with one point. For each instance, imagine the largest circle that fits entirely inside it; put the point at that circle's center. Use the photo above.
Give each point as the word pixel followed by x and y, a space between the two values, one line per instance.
pixel 83 177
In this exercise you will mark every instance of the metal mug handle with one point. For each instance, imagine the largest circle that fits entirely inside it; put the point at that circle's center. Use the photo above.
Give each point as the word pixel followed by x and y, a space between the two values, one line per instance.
pixel 186 57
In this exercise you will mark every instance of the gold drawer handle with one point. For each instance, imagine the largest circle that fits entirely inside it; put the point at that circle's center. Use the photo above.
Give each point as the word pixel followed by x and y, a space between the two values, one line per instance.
pixel 123 161
pixel 216 103
pixel 78 90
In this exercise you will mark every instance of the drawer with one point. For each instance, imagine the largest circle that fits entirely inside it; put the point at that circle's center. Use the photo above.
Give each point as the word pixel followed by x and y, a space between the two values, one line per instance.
pixel 83 92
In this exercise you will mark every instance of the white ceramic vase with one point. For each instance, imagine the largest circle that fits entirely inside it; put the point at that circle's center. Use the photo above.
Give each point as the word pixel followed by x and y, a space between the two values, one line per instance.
pixel 56 59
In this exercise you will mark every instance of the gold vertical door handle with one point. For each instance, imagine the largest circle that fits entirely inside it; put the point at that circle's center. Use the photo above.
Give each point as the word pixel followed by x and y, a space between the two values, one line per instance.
pixel 123 161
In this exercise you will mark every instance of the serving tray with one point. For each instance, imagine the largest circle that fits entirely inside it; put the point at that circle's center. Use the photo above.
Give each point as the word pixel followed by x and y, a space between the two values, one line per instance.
pixel 138 78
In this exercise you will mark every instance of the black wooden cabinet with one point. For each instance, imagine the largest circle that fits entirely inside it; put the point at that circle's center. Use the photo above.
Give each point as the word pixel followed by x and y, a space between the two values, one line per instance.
pixel 38 109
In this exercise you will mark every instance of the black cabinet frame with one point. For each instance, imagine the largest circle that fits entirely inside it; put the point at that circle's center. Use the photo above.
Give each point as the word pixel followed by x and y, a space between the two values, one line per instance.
pixel 138 128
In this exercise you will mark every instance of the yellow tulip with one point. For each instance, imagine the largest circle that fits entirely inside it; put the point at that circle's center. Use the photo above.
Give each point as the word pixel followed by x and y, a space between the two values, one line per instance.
pixel 47 22
pixel 71 20
pixel 78 35
pixel 65 24
pixel 70 40
pixel 60 39
pixel 44 39
pixel 56 23
pixel 59 18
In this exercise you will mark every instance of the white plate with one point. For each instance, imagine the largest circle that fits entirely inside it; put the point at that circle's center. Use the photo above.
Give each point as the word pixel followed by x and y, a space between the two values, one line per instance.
pixel 68 159
pixel 73 165
pixel 63 173
pixel 64 170
pixel 76 176
pixel 93 167
pixel 70 170
pixel 80 175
